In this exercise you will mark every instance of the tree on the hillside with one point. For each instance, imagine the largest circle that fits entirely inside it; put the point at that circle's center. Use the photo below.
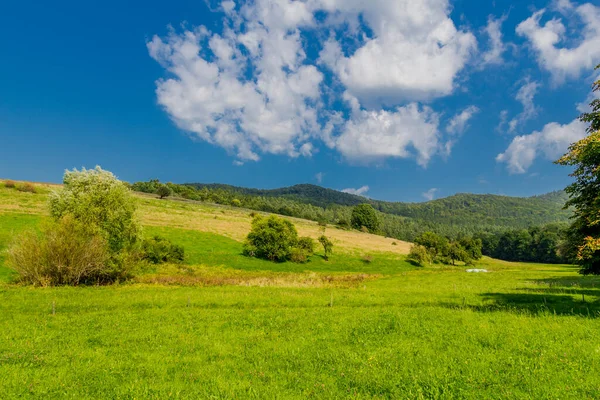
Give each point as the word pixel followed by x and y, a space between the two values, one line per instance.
pixel 271 238
pixel 585 191
pixel 419 255
pixel 435 244
pixel 163 191
pixel 365 215
pixel 327 246
pixel 99 200
pixel 456 252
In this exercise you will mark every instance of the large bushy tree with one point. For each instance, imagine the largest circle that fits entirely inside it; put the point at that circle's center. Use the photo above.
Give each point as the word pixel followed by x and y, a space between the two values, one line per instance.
pixel 100 201
pixel 585 191
pixel 365 215
pixel 271 238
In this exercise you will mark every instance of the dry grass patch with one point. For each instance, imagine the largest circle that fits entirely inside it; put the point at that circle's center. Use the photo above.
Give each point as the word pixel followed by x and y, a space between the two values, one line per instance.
pixel 211 276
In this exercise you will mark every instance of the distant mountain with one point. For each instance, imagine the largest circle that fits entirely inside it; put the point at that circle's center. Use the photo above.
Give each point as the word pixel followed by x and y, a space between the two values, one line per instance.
pixel 461 209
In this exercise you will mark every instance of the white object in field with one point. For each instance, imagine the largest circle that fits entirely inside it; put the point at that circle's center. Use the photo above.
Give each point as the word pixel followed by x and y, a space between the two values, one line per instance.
pixel 477 270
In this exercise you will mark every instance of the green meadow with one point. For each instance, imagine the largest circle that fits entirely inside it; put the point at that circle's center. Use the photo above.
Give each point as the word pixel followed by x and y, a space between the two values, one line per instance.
pixel 226 326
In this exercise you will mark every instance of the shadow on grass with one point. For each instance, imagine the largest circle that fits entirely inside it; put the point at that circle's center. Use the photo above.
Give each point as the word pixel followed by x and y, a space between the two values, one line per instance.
pixel 537 304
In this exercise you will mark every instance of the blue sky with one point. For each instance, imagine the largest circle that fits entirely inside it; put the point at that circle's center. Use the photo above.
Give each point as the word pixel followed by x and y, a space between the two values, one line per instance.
pixel 399 100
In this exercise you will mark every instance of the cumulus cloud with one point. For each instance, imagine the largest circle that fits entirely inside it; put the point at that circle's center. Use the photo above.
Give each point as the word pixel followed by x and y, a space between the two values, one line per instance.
pixel 375 135
pixel 496 46
pixel 362 191
pixel 550 143
pixel 525 96
pixel 430 194
pixel 415 51
pixel 459 123
pixel 551 43
pixel 252 90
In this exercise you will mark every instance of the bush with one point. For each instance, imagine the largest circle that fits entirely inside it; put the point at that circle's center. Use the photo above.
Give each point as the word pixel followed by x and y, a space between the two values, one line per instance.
pixel 394 244
pixel 307 244
pixel 364 229
pixel 97 199
pixel 10 184
pixel 419 255
pixel 66 252
pixel 236 203
pixel 364 215
pixel 159 250
pixel 367 259
pixel 271 238
pixel 27 188
pixel 298 255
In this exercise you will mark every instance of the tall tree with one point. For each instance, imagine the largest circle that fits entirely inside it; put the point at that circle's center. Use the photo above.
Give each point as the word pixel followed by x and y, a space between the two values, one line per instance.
pixel 585 191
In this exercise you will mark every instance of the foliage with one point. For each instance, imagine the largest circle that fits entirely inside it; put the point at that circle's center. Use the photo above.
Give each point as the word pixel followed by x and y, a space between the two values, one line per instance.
pixel 97 199
pixel 456 252
pixel 584 193
pixel 163 191
pixel 271 238
pixel 159 250
pixel 419 255
pixel 66 252
pixel 453 217
pixel 327 246
pixel 10 184
pixel 306 244
pixel 436 245
pixel 27 188
pixel 365 216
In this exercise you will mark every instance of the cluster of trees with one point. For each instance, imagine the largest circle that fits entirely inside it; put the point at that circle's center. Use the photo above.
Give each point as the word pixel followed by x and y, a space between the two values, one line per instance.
pixel 536 244
pixel 276 239
pixel 93 237
pixel 433 248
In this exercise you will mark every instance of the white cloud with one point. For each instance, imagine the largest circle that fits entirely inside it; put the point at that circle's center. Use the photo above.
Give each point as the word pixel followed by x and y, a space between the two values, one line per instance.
pixel 251 89
pixel 415 52
pixel 525 96
pixel 459 123
pixel 551 143
pixel 496 46
pixel 362 191
pixel 551 43
pixel 375 135
pixel 319 177
pixel 430 194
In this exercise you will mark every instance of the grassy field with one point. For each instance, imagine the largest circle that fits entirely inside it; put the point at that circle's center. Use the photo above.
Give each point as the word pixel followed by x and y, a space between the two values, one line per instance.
pixel 225 326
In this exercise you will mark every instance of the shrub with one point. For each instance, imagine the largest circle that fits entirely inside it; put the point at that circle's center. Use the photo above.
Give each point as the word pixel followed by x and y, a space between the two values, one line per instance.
pixel 306 244
pixel 236 203
pixel 271 238
pixel 419 255
pixel 343 224
pixel 27 187
pixel 394 244
pixel 298 255
pixel 364 215
pixel 253 214
pixel 367 259
pixel 97 199
pixel 364 229
pixel 163 191
pixel 322 222
pixel 10 184
pixel 159 250
pixel 327 246
pixel 66 252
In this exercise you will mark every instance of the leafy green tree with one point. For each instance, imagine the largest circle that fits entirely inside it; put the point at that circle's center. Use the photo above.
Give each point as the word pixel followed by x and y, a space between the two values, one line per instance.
pixel 163 191
pixel 472 246
pixel 584 193
pixel 365 215
pixel 419 255
pixel 271 238
pixel 456 252
pixel 97 199
pixel 327 246
pixel 435 244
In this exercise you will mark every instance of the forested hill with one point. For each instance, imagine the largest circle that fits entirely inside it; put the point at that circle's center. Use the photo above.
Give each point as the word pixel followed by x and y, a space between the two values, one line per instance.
pixel 460 209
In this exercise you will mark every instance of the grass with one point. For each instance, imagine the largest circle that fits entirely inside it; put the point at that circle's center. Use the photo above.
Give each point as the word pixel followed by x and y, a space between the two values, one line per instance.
pixel 235 327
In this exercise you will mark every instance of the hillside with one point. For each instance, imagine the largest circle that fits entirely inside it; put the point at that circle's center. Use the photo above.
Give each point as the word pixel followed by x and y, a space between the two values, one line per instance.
pixel 458 210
